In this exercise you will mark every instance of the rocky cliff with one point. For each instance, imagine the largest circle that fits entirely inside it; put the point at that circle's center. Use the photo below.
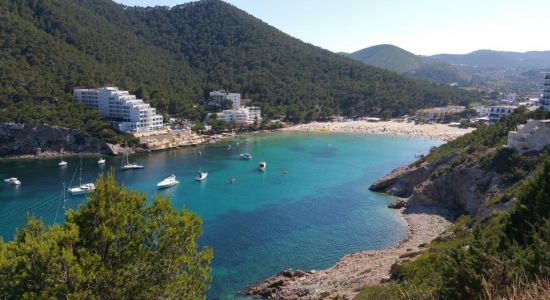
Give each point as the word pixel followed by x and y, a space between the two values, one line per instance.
pixel 45 140
pixel 462 187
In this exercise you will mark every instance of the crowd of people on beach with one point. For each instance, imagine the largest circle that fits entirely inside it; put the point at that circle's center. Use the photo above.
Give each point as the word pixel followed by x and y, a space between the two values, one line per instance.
pixel 431 131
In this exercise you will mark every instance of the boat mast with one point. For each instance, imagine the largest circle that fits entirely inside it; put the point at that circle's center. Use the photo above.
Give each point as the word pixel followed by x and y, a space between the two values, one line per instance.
pixel 80 176
pixel 127 154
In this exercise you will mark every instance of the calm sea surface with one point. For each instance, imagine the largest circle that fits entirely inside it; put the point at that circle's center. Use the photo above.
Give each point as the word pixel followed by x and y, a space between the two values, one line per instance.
pixel 264 221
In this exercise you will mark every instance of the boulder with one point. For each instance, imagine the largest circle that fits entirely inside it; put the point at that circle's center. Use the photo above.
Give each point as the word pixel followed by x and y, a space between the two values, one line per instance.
pixel 270 287
pixel 446 236
pixel 396 204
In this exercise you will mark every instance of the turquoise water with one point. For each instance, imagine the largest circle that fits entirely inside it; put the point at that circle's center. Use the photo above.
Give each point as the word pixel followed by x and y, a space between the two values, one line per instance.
pixel 264 221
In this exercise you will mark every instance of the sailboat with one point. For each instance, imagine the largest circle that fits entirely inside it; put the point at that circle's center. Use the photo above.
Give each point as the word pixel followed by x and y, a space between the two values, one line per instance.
pixel 81 188
pixel 126 165
pixel 62 163
pixel 101 160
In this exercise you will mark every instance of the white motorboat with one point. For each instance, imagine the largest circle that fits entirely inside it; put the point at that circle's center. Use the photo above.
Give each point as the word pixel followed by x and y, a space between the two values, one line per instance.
pixel 81 188
pixel 168 182
pixel 262 165
pixel 101 160
pixel 131 166
pixel 246 156
pixel 62 163
pixel 13 181
pixel 126 165
pixel 201 176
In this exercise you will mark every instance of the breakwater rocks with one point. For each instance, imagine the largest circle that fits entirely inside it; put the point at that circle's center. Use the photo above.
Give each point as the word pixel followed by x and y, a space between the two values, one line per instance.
pixel 46 141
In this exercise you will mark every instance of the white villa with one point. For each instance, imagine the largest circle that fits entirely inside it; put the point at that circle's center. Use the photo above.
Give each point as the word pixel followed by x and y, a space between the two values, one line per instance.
pixel 497 112
pixel 124 111
pixel 217 98
pixel 532 136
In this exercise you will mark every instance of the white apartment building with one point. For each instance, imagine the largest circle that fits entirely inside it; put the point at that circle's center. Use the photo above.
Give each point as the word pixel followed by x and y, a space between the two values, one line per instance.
pixel 238 116
pixel 244 115
pixel 533 136
pixel 217 98
pixel 124 111
pixel 254 113
pixel 544 101
pixel 482 111
pixel 497 112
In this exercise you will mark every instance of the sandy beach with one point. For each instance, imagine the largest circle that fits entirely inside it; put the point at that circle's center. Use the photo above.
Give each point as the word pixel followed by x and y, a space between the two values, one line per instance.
pixel 436 131
pixel 356 270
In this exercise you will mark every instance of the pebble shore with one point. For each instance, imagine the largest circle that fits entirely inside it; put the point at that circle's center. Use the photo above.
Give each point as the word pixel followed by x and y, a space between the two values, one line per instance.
pixel 356 270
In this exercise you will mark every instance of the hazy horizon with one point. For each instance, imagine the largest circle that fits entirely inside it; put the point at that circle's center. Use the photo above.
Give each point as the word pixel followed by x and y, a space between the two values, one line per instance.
pixel 427 28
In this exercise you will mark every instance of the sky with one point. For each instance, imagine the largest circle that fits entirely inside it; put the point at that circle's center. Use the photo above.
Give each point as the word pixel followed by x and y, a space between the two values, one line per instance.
pixel 423 27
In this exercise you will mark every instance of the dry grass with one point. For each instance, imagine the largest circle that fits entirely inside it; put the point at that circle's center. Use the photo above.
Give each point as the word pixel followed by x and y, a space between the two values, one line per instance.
pixel 535 290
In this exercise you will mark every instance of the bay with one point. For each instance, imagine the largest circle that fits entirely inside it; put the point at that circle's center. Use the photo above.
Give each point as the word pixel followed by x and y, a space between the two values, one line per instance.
pixel 307 217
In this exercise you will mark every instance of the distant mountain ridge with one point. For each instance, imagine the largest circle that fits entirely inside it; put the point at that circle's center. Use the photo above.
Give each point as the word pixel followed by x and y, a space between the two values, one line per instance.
pixel 396 59
pixel 498 59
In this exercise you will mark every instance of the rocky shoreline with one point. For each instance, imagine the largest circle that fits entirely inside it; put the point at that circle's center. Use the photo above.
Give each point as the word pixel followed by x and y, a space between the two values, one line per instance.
pixel 45 141
pixel 356 270
pixel 24 141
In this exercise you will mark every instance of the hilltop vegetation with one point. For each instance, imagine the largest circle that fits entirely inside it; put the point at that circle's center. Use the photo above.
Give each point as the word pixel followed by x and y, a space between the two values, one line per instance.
pixel 388 57
pixel 395 59
pixel 498 250
pixel 172 57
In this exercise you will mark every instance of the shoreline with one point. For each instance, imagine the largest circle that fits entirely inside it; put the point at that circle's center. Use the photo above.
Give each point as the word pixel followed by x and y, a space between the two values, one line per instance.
pixel 434 131
pixel 440 132
pixel 356 270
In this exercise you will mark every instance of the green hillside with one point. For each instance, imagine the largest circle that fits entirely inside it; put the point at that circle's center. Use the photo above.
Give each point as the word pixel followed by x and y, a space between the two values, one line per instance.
pixel 500 251
pixel 395 59
pixel 173 57
pixel 388 57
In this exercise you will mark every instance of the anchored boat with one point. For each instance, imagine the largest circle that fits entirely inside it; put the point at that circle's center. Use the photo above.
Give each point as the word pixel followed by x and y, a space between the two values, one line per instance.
pixel 13 181
pixel 201 176
pixel 262 165
pixel 82 188
pixel 167 182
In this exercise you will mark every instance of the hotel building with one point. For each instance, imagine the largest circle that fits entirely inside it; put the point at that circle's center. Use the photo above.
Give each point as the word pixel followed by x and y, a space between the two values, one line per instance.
pixel 244 115
pixel 218 97
pixel 124 111
pixel 437 114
